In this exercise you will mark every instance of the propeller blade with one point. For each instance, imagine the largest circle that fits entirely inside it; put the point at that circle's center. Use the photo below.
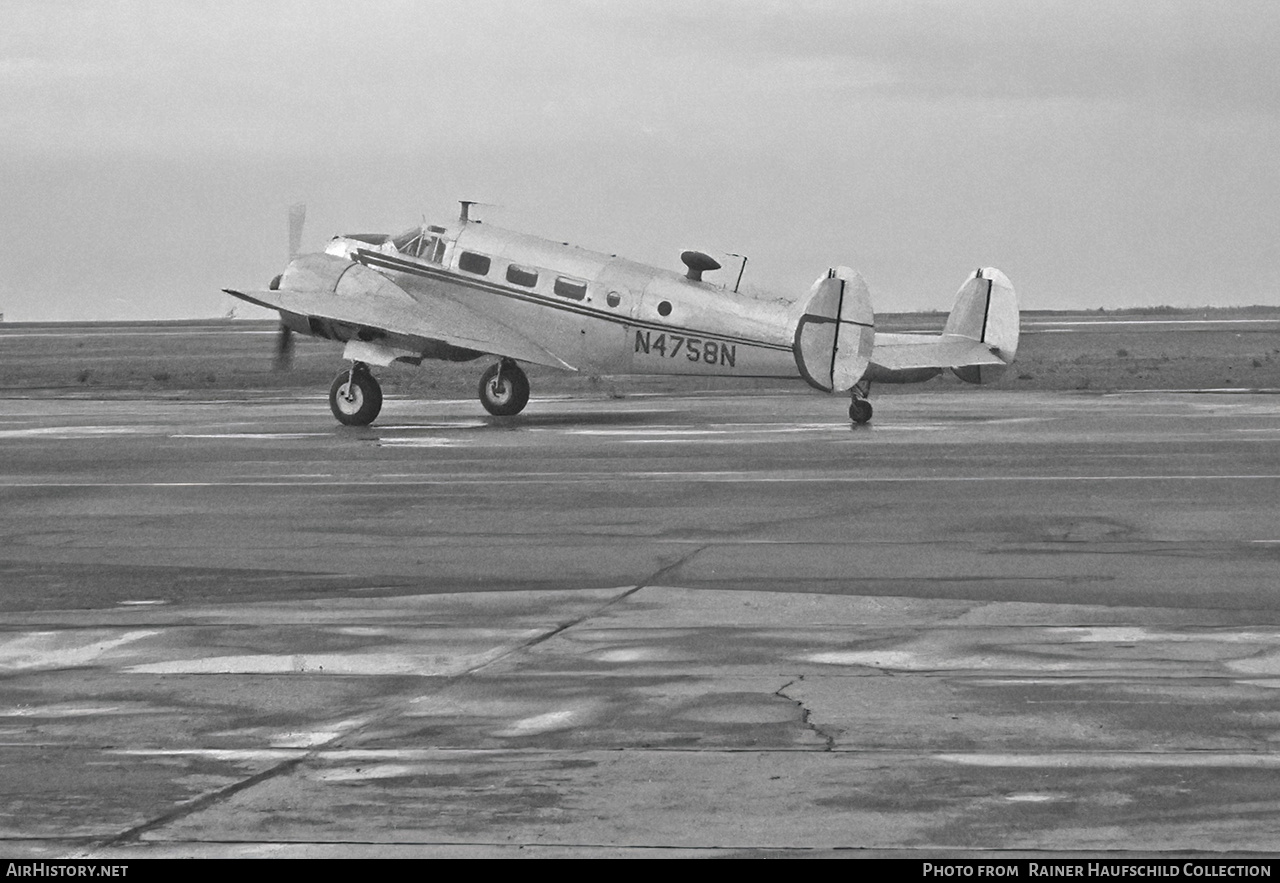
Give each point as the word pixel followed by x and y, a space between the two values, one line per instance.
pixel 284 348
pixel 297 217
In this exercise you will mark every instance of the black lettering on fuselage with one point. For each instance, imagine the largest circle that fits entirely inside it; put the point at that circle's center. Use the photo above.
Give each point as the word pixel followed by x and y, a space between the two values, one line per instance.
pixel 695 349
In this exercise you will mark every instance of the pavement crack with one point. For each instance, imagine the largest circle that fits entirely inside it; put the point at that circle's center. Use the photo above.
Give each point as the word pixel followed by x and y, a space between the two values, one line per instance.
pixel 591 614
pixel 443 683
pixel 133 834
pixel 806 716
pixel 203 802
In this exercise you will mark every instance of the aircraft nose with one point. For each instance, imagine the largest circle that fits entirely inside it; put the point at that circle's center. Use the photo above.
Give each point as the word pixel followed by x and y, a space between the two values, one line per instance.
pixel 314 272
pixel 328 274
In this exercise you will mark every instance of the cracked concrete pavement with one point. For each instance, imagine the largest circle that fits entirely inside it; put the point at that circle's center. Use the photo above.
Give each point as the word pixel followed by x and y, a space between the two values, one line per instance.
pixel 691 625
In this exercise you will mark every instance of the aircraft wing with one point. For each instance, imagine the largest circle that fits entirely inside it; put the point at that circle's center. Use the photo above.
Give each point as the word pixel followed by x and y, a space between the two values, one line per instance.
pixel 902 351
pixel 393 312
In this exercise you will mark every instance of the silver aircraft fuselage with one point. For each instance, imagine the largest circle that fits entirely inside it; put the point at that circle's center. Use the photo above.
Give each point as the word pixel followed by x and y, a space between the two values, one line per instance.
pixel 597 313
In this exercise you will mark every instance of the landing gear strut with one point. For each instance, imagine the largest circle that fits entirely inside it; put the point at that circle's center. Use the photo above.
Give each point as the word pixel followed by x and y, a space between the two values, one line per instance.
pixel 355 397
pixel 504 389
pixel 859 407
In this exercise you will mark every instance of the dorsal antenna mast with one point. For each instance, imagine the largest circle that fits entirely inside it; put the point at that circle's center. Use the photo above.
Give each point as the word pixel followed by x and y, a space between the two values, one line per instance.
pixel 741 269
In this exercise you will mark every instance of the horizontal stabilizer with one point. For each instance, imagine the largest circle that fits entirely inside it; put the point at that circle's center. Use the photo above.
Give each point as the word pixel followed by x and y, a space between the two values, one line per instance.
pixel 899 351
pixel 978 341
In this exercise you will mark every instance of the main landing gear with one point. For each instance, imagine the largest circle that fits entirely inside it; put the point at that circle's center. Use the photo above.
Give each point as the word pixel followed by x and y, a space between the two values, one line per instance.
pixel 504 389
pixel 859 407
pixel 355 397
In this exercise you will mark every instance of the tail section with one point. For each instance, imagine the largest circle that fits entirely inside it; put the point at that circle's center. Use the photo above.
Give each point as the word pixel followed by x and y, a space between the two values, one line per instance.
pixel 978 342
pixel 986 311
pixel 835 332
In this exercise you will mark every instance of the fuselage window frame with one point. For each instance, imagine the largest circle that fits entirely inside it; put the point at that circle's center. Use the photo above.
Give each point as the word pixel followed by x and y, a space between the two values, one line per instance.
pixel 567 286
pixel 522 276
pixel 474 262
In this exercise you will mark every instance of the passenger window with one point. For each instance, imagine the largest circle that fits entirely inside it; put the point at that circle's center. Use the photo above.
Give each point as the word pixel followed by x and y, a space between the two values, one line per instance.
pixel 521 276
pixel 470 262
pixel 574 288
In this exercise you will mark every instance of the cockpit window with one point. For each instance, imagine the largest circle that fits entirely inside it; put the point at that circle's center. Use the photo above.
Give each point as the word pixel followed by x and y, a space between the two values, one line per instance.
pixel 417 244
pixel 407 242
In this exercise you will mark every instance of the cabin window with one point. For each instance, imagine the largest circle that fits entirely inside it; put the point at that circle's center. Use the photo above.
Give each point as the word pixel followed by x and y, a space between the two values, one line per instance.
pixel 613 299
pixel 470 262
pixel 522 276
pixel 572 288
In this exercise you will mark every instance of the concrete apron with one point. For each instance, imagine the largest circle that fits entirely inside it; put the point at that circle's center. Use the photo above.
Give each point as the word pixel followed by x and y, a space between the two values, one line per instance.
pixel 619 719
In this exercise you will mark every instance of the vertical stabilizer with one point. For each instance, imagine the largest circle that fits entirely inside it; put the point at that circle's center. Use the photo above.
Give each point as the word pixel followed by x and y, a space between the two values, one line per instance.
pixel 986 310
pixel 835 333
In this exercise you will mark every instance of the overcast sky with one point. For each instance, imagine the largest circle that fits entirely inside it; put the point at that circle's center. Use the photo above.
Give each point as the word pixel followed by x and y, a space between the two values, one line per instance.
pixel 1100 153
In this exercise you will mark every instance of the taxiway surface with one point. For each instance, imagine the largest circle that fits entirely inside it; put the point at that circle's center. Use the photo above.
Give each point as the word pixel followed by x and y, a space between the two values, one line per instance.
pixel 988 621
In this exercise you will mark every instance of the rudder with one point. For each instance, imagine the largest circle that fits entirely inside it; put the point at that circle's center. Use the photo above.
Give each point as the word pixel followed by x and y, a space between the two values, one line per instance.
pixel 835 333
pixel 986 310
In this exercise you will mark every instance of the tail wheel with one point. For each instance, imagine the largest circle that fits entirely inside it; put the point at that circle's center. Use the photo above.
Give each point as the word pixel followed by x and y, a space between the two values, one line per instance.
pixel 860 411
pixel 504 390
pixel 355 397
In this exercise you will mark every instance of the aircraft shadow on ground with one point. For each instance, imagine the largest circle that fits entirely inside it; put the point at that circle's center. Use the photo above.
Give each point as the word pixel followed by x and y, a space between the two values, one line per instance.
pixel 576 420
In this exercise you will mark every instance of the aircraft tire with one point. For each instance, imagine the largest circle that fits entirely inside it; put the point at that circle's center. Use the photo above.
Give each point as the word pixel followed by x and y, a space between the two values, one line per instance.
pixel 358 405
pixel 860 411
pixel 508 399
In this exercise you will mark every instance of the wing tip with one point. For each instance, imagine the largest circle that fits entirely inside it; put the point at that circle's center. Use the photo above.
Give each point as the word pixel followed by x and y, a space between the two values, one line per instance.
pixel 250 298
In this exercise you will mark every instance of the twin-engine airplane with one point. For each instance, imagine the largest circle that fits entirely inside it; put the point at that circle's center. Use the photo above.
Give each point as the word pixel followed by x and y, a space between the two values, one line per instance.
pixel 465 290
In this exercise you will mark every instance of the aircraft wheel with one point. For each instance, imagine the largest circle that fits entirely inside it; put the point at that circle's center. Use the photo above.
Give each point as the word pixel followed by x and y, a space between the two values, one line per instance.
pixel 355 397
pixel 860 411
pixel 505 395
